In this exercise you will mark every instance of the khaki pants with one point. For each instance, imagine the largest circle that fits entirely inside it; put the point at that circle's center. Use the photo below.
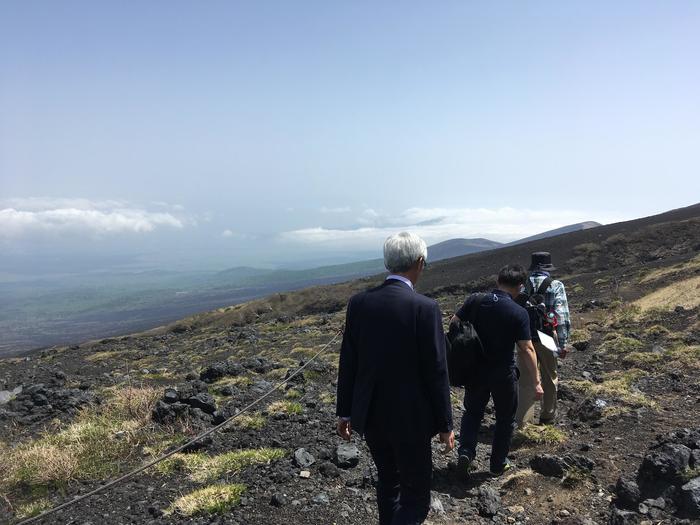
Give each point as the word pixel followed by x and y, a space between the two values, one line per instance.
pixel 547 363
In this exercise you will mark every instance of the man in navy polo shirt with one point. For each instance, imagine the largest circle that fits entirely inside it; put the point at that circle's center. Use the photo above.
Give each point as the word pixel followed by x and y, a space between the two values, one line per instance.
pixel 501 324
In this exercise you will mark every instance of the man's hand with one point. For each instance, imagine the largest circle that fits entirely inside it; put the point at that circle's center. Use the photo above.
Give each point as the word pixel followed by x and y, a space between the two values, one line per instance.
pixel 344 429
pixel 539 393
pixel 448 439
pixel 563 351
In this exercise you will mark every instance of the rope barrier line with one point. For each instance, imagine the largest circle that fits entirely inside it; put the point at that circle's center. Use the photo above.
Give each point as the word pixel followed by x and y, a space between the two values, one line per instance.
pixel 148 465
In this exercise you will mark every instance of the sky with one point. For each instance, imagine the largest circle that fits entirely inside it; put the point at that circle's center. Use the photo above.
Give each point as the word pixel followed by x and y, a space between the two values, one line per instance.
pixel 190 135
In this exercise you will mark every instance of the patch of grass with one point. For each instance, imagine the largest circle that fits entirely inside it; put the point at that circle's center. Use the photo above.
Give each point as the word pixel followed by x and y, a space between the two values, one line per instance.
pixel 33 508
pixel 327 398
pixel 313 375
pixel 684 293
pixel 214 499
pixel 687 356
pixel 104 355
pixel 578 288
pixel 621 345
pixel 641 358
pixel 301 351
pixel 573 477
pixel 539 435
pixel 94 446
pixel 277 373
pixel 617 385
pixel 203 468
pixel 690 473
pixel 656 330
pixel 601 282
pixel 516 477
pixel 663 272
pixel 285 407
pixel 579 334
pixel 292 393
pixel 252 421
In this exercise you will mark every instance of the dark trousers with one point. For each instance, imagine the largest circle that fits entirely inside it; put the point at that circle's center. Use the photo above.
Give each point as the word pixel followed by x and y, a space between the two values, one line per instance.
pixel 404 470
pixel 502 386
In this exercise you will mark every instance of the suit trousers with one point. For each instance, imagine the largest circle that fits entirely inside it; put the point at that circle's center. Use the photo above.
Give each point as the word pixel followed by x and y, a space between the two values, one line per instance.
pixel 499 384
pixel 404 471
pixel 547 364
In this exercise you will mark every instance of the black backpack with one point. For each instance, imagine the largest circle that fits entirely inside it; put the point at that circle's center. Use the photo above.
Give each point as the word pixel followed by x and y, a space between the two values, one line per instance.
pixel 464 349
pixel 540 318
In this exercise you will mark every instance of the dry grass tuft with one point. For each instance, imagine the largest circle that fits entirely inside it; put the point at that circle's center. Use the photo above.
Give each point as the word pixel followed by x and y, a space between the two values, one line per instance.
pixel 617 385
pixel 539 435
pixel 93 447
pixel 285 407
pixel 252 421
pixel 213 499
pixel 203 468
pixel 684 293
pixel 33 508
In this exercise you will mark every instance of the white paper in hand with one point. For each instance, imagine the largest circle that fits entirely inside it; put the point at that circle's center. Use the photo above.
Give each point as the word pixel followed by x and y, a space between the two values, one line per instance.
pixel 548 342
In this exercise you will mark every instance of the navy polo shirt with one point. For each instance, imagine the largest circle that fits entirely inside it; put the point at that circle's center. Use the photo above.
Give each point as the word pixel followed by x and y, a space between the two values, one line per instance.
pixel 500 322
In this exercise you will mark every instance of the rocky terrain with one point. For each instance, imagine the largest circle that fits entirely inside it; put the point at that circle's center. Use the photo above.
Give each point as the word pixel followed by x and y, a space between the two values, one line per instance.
pixel 625 447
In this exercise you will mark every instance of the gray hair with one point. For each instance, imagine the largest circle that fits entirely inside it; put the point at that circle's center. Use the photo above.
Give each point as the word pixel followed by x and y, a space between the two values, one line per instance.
pixel 402 250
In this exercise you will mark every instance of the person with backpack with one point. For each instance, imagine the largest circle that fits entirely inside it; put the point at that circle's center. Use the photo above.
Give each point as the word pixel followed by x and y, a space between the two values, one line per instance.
pixel 548 309
pixel 500 324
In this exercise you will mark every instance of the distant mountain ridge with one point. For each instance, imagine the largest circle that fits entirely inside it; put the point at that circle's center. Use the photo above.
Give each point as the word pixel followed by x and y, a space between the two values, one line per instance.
pixel 559 231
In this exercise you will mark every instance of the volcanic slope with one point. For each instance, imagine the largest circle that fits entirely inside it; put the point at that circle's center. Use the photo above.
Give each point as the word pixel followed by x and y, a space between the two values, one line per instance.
pixel 90 412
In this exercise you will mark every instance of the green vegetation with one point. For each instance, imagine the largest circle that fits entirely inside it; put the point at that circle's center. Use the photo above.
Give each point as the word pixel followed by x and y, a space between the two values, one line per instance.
pixel 656 331
pixel 578 288
pixel 213 499
pixel 292 393
pixel 618 344
pixel 641 358
pixel 203 468
pixel 690 473
pixel 579 334
pixel 617 385
pixel 252 421
pixel 574 476
pixel 98 444
pixel 93 447
pixel 539 435
pixel 33 508
pixel 327 398
pixel 285 407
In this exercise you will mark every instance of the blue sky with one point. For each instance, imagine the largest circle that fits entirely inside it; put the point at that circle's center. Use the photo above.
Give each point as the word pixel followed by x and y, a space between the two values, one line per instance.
pixel 226 133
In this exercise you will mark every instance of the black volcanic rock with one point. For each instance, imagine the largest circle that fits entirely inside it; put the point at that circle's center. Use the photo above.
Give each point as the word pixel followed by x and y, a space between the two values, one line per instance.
pixel 666 463
pixel 221 369
pixel 628 494
pixel 347 455
pixel 689 498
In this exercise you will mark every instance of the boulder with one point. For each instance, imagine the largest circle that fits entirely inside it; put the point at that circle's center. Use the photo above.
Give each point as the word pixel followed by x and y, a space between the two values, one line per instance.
pixel 689 499
pixel 347 455
pixel 303 458
pixel 221 369
pixel 489 502
pixel 665 464
pixel 624 517
pixel 588 410
pixel 628 494
pixel 548 465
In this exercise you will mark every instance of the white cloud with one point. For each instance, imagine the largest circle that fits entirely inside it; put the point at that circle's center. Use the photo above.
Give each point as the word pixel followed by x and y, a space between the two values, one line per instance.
pixel 42 215
pixel 437 224
pixel 227 233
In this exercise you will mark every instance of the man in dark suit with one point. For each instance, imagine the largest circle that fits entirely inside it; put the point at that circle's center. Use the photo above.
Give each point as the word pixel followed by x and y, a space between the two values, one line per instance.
pixel 393 386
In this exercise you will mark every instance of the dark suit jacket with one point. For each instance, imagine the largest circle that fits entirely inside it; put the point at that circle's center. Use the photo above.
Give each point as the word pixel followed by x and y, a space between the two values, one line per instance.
pixel 393 369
